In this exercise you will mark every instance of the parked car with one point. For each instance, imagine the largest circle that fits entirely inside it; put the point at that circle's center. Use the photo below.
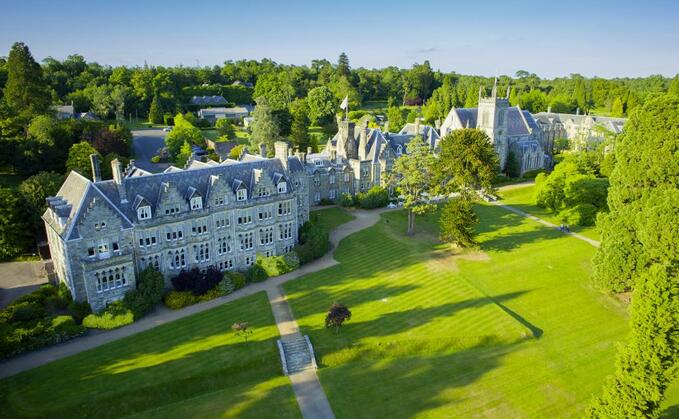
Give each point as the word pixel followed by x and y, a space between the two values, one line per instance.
pixel 167 129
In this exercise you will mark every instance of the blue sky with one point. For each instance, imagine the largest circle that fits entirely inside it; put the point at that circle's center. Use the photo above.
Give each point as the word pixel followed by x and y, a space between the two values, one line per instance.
pixel 603 38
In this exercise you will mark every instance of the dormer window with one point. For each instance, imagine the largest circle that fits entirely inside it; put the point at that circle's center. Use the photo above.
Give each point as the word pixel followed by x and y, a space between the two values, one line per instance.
pixel 241 194
pixel 399 150
pixel 196 203
pixel 282 187
pixel 144 213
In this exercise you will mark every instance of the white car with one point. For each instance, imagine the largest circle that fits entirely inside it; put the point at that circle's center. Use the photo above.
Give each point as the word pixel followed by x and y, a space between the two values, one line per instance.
pixel 391 205
pixel 167 129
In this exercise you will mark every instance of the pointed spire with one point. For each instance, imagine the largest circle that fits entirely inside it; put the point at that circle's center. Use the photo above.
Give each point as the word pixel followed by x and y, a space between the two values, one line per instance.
pixel 494 92
pixel 480 92
pixel 507 95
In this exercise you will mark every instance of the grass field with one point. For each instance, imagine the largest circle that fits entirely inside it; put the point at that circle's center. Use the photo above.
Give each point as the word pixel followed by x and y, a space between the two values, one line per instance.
pixel 330 218
pixel 512 330
pixel 523 198
pixel 193 367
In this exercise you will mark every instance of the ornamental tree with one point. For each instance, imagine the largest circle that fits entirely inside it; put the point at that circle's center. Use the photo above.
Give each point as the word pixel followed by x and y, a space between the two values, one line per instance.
pixel 413 176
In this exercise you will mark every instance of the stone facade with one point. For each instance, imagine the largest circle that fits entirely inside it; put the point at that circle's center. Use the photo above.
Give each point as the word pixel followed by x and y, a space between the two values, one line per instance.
pixel 358 158
pixel 510 129
pixel 582 131
pixel 102 233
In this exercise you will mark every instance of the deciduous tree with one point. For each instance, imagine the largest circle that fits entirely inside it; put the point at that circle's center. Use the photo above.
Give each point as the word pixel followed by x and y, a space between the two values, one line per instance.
pixel 336 316
pixel 413 176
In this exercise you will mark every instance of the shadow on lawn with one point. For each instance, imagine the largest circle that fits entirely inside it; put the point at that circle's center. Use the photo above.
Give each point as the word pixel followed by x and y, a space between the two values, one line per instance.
pixel 79 392
pixel 407 386
pixel 328 342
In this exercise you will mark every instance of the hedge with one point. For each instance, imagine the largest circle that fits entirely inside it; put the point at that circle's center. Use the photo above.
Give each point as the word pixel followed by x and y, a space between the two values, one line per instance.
pixel 113 317
pixel 36 320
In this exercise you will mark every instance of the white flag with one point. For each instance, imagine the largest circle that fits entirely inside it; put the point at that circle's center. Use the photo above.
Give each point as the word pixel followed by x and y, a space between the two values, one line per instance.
pixel 345 103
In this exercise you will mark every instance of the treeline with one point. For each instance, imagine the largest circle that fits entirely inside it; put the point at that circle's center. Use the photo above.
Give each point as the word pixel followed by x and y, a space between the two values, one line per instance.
pixel 123 91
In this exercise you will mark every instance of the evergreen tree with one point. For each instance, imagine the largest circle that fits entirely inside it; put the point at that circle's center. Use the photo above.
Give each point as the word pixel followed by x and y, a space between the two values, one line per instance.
pixel 674 86
pixel 299 131
pixel 15 232
pixel 617 109
pixel 467 161
pixel 156 111
pixel 25 92
pixel 645 158
pixel 457 222
pixel 343 65
pixel 34 191
pixel 644 201
pixel 265 127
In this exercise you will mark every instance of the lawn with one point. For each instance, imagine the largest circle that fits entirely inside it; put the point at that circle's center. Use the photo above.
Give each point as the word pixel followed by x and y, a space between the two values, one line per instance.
pixel 193 367
pixel 512 330
pixel 332 217
pixel 241 137
pixel 523 198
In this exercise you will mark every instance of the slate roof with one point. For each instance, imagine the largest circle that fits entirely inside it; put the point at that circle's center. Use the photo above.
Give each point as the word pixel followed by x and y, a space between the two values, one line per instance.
pixel 208 100
pixel 615 125
pixel 78 192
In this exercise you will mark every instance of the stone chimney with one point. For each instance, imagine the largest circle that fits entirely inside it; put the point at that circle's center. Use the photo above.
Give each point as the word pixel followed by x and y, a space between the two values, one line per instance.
pixel 577 111
pixel 117 169
pixel 363 142
pixel 262 149
pixel 309 150
pixel 96 169
pixel 281 151
pixel 549 109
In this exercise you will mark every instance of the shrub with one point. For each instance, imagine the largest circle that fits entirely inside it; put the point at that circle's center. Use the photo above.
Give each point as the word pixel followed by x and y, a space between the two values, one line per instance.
pixel 275 265
pixel 155 159
pixel 26 324
pixel 65 327
pixel 210 295
pixel 26 311
pixel 292 260
pixel 79 310
pixel 256 273
pixel 113 317
pixel 149 292
pixel 178 299
pixel 314 241
pixel 376 197
pixel 197 282
pixel 226 286
pixel 238 278
pixel 346 200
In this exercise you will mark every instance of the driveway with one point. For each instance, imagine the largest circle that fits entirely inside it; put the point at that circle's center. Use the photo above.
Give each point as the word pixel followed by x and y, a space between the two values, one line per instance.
pixel 19 278
pixel 146 144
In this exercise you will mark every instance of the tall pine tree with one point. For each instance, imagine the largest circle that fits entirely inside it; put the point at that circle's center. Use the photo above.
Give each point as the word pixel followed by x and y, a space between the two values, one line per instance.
pixel 26 92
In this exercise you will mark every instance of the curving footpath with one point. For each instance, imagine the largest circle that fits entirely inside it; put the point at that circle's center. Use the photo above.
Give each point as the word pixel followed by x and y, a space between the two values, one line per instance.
pixel 593 242
pixel 310 396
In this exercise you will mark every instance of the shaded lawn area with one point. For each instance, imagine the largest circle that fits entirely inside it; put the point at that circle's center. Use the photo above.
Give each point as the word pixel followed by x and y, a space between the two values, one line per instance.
pixel 333 217
pixel 512 330
pixel 523 198
pixel 195 367
pixel 241 137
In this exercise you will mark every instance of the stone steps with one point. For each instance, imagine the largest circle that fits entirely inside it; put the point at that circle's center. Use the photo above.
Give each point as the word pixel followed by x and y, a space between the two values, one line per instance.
pixel 296 354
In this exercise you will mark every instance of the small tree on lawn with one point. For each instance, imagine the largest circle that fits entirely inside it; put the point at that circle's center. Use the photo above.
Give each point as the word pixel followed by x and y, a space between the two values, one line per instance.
pixel 414 176
pixel 457 222
pixel 337 314
pixel 243 330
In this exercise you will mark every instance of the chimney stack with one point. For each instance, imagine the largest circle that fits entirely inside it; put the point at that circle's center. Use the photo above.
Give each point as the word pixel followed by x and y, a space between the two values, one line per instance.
pixel 577 111
pixel 117 169
pixel 309 150
pixel 96 170
pixel 281 151
pixel 262 149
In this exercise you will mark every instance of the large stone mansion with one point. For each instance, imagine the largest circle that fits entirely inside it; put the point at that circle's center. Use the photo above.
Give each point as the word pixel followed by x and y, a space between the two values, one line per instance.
pixel 102 232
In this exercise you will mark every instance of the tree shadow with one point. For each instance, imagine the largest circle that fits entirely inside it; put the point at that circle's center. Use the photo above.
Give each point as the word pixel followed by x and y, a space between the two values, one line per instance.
pixel 406 387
